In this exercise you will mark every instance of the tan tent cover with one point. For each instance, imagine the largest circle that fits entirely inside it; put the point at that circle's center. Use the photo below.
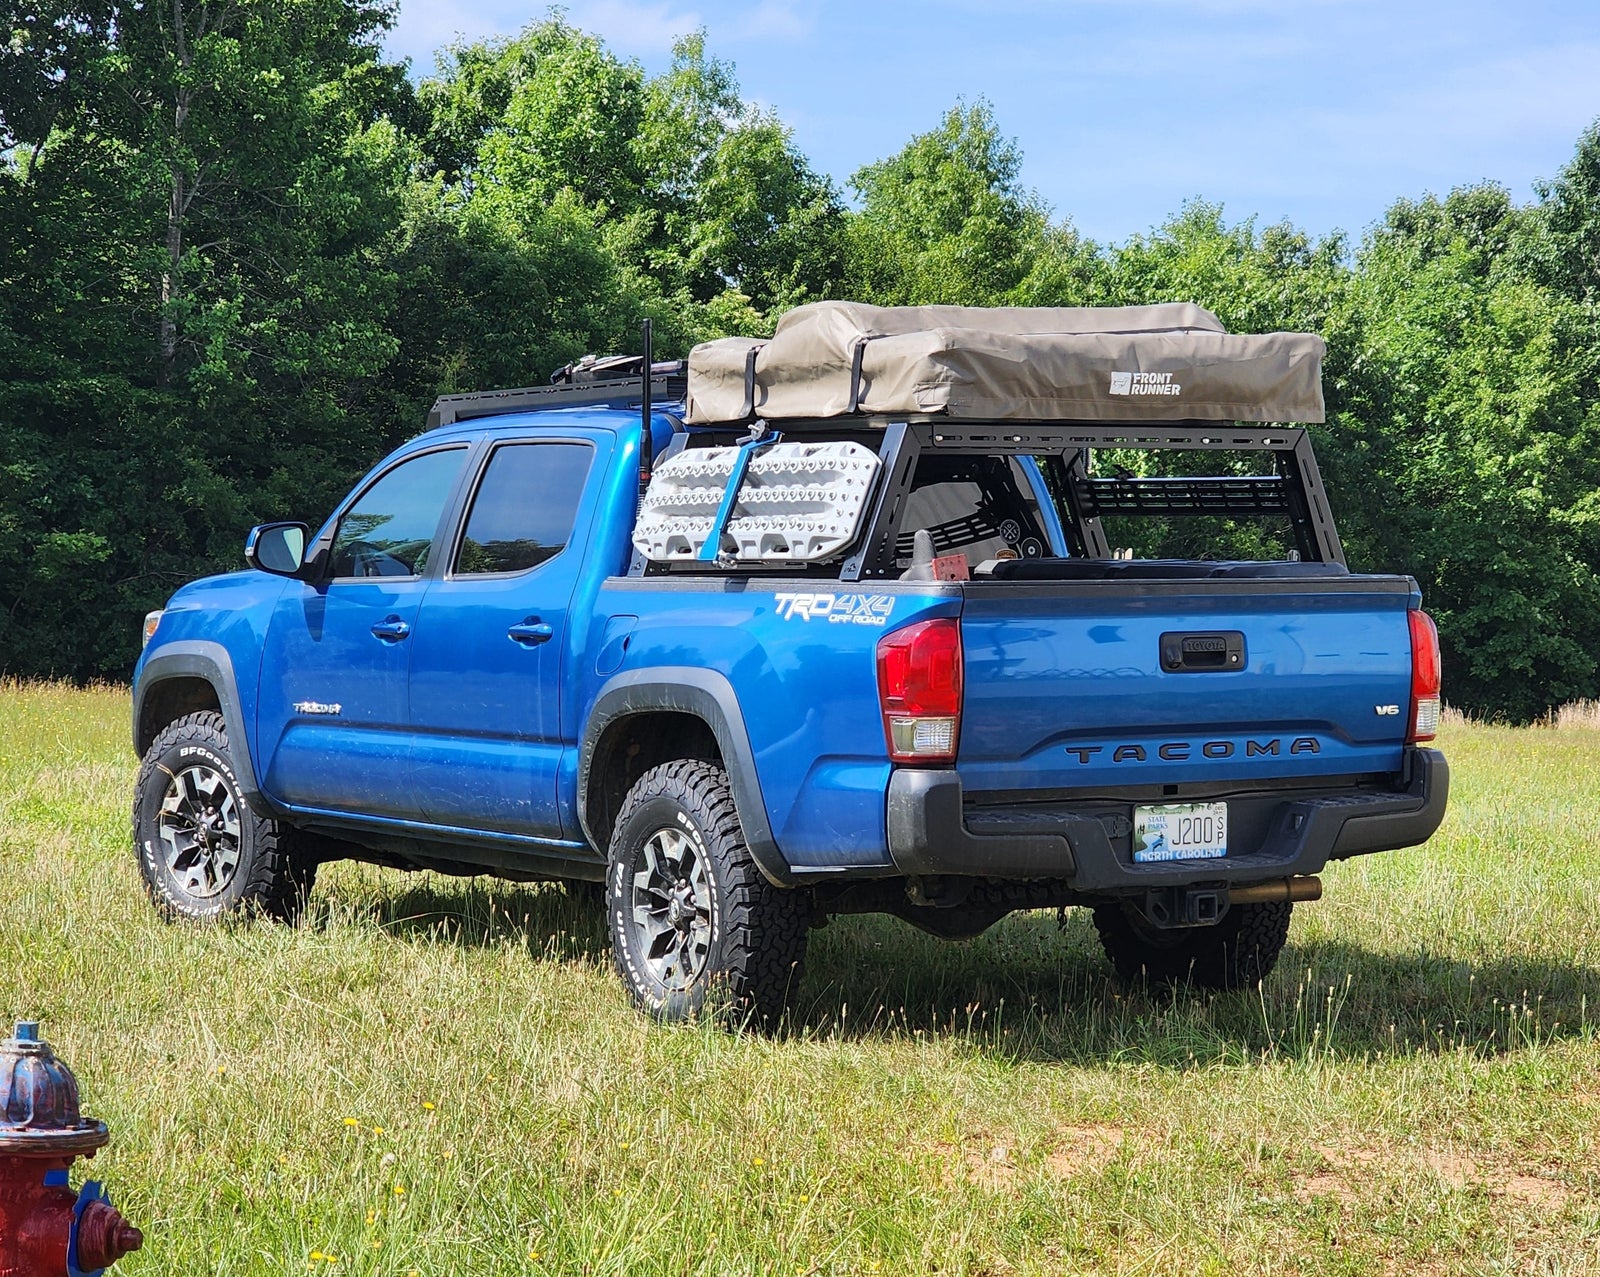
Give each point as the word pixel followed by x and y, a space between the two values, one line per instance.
pixel 1170 362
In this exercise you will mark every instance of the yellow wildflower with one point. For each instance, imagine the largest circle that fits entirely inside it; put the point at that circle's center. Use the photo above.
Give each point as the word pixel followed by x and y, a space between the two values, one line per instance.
pixel 427 1106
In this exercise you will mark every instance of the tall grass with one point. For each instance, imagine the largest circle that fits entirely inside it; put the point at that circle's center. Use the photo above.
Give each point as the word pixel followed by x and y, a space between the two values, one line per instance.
pixel 439 1076
pixel 1584 715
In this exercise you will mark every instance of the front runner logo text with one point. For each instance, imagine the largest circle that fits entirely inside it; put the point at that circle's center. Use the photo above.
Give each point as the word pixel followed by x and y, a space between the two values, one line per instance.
pixel 1144 383
pixel 836 609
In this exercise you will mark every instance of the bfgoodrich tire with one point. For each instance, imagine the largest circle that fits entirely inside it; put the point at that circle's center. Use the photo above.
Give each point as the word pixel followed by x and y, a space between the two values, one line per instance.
pixel 693 923
pixel 202 852
pixel 1237 953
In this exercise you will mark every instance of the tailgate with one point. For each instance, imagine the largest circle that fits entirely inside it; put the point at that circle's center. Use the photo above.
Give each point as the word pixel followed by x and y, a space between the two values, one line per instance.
pixel 1067 686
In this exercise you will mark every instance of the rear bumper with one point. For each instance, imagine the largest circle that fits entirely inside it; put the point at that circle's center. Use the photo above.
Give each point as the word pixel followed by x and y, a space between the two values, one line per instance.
pixel 931 832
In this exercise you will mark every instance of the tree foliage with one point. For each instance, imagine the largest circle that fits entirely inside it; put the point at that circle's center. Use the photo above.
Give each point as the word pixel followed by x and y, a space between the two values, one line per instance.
pixel 947 221
pixel 240 253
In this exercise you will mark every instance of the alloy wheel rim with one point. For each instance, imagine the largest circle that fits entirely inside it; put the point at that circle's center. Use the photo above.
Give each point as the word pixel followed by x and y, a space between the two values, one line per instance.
pixel 672 909
pixel 199 828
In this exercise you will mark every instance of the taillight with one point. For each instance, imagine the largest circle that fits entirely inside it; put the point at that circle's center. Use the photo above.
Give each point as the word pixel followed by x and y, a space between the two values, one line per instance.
pixel 919 688
pixel 1424 678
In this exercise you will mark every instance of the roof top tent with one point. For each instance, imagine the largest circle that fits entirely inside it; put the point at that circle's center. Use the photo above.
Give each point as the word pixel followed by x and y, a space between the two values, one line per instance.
pixel 1135 364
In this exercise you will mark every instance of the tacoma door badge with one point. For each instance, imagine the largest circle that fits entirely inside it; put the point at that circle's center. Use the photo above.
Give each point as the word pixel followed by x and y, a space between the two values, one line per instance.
pixel 317 707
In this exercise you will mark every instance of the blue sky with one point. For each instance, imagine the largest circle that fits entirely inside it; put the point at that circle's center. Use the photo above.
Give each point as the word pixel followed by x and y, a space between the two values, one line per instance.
pixel 1320 111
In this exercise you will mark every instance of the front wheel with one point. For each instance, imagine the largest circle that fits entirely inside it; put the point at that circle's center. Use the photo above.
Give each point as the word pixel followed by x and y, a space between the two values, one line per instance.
pixel 1237 953
pixel 691 917
pixel 202 851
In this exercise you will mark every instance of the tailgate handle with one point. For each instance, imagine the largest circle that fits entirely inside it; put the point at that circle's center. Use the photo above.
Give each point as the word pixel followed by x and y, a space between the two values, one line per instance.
pixel 1202 652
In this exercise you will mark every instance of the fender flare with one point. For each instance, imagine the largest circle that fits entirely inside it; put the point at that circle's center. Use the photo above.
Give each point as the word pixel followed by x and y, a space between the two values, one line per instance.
pixel 708 696
pixel 202 659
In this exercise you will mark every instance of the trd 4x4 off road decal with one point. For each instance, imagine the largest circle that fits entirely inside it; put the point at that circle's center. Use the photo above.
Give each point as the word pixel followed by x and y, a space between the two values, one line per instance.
pixel 836 609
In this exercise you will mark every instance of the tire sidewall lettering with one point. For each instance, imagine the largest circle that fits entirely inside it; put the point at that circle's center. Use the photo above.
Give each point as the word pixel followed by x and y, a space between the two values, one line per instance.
pixel 162 763
pixel 663 809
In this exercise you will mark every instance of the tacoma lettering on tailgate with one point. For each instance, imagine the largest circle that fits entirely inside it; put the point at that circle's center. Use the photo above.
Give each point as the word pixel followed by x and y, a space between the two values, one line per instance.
pixel 1179 751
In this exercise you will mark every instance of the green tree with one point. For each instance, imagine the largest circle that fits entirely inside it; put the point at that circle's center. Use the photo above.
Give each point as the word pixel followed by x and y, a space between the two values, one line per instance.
pixel 195 289
pixel 740 209
pixel 701 199
pixel 1490 448
pixel 947 221
pixel 1562 246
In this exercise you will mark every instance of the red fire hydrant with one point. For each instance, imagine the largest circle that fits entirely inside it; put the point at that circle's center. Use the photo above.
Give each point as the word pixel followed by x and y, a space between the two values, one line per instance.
pixel 46 1229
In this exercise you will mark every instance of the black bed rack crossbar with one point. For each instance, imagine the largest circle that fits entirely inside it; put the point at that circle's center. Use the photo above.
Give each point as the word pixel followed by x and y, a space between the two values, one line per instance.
pixel 1256 495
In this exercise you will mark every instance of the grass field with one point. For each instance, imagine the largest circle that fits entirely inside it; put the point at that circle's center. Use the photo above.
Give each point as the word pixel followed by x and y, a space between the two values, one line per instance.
pixel 436 1076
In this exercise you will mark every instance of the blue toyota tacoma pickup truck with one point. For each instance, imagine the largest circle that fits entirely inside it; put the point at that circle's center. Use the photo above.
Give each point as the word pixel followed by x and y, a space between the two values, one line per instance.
pixel 836 623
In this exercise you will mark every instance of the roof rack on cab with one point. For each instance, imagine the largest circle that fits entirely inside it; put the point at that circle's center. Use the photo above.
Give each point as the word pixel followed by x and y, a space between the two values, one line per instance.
pixel 612 380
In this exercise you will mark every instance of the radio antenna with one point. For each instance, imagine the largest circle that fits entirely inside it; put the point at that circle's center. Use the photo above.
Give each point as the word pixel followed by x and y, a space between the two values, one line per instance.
pixel 646 440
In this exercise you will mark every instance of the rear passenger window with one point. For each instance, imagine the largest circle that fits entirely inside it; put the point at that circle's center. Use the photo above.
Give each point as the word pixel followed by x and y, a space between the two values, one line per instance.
pixel 523 511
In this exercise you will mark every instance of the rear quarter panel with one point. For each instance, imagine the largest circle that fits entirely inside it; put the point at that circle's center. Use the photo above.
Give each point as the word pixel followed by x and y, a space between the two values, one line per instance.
pixel 801 658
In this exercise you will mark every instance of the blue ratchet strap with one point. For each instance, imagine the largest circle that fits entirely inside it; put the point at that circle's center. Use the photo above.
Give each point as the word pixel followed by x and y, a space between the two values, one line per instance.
pixel 719 521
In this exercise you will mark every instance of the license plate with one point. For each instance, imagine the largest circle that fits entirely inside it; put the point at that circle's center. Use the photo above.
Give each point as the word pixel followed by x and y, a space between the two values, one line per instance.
pixel 1180 831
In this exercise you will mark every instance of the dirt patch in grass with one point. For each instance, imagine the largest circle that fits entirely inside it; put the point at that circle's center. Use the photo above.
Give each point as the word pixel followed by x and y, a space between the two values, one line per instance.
pixel 1346 1172
pixel 996 1163
pixel 1325 1184
pixel 1455 1169
pixel 1535 1190
pixel 984 1164
pixel 994 1171
pixel 1083 1150
pixel 1341 1169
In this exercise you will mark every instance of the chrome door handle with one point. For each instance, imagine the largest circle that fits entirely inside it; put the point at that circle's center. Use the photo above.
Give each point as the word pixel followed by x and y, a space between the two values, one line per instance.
pixel 530 633
pixel 391 629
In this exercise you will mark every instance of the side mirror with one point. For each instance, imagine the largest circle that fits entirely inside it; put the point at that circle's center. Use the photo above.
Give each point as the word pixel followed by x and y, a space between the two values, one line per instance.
pixel 279 548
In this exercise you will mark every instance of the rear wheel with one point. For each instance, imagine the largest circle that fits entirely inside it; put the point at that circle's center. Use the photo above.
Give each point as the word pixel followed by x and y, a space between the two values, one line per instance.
pixel 693 922
pixel 203 853
pixel 1237 953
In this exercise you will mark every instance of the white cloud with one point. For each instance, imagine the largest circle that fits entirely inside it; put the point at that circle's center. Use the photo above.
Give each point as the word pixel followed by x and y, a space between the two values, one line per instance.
pixel 423 27
pixel 634 27
pixel 770 20
pixel 1479 108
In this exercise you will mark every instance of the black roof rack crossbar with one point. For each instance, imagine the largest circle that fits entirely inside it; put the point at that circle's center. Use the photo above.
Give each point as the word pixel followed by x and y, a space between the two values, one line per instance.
pixel 668 384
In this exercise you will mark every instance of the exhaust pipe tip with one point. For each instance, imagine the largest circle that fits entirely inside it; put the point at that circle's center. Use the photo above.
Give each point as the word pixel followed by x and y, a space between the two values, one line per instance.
pixel 1293 890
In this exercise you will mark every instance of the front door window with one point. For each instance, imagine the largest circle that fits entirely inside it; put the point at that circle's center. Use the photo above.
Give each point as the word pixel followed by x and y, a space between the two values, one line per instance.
pixel 389 530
